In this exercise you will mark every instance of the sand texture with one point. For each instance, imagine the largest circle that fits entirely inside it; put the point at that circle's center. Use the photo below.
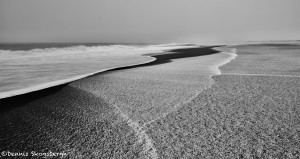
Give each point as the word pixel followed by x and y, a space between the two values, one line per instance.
pixel 238 117
pixel 70 121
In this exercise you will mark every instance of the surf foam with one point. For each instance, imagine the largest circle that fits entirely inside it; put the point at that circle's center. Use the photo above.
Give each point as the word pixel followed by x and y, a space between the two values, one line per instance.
pixel 224 50
pixel 27 71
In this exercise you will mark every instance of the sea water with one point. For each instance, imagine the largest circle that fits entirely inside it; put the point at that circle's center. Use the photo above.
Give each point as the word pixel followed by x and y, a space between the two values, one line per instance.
pixel 26 68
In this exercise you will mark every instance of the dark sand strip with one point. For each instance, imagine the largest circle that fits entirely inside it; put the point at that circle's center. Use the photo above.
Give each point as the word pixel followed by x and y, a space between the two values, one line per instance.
pixel 166 57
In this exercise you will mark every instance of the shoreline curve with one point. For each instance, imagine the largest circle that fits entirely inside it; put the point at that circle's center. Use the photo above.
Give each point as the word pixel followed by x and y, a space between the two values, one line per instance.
pixel 19 98
pixel 39 87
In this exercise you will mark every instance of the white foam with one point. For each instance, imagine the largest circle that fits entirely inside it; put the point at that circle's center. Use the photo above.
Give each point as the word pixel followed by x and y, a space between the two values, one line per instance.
pixel 60 82
pixel 87 51
pixel 224 50
pixel 25 68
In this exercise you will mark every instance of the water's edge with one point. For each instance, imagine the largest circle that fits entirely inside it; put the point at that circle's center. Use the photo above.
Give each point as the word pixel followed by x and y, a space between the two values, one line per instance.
pixel 154 59
pixel 17 98
pixel 64 81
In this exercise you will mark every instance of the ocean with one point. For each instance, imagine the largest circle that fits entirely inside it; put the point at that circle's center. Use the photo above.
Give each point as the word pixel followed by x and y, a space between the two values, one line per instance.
pixel 29 67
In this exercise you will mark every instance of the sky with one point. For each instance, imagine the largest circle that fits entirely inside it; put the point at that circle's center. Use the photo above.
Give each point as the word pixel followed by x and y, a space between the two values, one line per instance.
pixel 148 21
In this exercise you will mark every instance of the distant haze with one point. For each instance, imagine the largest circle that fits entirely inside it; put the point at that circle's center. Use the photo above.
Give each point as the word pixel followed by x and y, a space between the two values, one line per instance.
pixel 143 21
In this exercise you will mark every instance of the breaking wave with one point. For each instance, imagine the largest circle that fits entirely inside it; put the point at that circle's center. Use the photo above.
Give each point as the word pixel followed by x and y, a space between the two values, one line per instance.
pixel 23 71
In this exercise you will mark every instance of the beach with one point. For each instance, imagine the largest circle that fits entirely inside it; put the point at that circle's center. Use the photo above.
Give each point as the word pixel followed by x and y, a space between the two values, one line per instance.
pixel 245 114
pixel 238 117
pixel 202 102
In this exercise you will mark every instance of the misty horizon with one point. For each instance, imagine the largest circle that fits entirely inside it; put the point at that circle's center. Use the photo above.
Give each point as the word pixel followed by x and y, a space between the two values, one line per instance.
pixel 134 21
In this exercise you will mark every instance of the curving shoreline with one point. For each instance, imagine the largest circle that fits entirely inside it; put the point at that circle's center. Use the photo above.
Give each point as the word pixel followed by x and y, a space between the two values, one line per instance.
pixel 20 97
pixel 233 55
pixel 172 67
pixel 154 59
pixel 64 81
pixel 15 80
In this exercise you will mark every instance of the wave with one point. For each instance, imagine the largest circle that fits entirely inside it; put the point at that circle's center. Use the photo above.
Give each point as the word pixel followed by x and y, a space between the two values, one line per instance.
pixel 74 50
pixel 26 71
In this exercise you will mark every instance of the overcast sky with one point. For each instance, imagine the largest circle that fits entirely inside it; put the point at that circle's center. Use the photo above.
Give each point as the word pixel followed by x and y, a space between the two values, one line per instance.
pixel 148 20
